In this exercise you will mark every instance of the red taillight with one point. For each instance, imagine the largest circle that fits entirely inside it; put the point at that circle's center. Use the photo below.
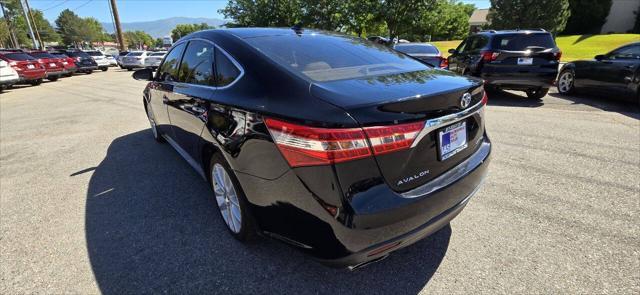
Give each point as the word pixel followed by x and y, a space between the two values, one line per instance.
pixel 309 146
pixel 485 98
pixel 557 55
pixel 489 56
pixel 386 139
pixel 444 63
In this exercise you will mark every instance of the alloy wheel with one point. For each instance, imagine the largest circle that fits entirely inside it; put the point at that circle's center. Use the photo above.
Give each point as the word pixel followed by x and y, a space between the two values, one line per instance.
pixel 226 198
pixel 565 83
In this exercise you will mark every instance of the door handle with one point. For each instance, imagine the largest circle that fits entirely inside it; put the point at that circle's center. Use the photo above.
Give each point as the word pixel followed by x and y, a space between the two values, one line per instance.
pixel 165 99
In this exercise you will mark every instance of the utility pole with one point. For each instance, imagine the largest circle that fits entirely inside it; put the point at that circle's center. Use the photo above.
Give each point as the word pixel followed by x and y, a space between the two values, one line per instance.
pixel 116 20
pixel 12 33
pixel 35 26
pixel 26 16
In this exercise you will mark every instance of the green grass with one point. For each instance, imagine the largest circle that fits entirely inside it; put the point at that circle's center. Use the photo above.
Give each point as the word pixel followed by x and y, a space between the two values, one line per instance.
pixel 573 47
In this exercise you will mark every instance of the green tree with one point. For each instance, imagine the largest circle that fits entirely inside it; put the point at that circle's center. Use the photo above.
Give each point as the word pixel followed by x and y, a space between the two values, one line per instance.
pixel 447 21
pixel 71 28
pixel 587 16
pixel 361 18
pixel 402 16
pixel 5 40
pixel 551 15
pixel 47 32
pixel 263 13
pixel 138 39
pixel 182 30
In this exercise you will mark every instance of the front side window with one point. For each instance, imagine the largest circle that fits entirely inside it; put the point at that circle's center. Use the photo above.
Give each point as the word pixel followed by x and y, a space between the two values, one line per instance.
pixel 226 71
pixel 628 52
pixel 322 58
pixel 197 64
pixel 168 71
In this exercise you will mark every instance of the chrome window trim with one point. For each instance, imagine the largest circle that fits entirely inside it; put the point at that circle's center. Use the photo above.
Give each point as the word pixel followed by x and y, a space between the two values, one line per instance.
pixel 436 123
pixel 452 175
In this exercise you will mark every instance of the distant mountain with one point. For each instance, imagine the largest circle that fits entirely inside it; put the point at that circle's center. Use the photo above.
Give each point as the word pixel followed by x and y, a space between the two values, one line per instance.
pixel 163 27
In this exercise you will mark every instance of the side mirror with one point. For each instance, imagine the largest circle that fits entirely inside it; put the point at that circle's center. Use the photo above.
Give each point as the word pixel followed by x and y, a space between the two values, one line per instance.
pixel 600 57
pixel 452 51
pixel 143 75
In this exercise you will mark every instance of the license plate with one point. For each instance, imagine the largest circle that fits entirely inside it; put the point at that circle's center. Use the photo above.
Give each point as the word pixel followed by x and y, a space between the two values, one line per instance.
pixel 31 67
pixel 65 63
pixel 52 65
pixel 453 139
pixel 525 60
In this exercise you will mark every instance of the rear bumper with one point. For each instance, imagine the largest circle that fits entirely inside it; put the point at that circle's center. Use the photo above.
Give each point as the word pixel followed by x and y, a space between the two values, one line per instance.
pixel 288 209
pixel 9 80
pixel 517 80
pixel 86 68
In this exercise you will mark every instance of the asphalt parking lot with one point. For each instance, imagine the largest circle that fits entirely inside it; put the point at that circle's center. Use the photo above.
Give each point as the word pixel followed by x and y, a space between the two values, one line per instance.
pixel 89 203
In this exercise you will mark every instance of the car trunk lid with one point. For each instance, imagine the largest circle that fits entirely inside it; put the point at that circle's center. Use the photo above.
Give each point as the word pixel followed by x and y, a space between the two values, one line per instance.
pixel 423 97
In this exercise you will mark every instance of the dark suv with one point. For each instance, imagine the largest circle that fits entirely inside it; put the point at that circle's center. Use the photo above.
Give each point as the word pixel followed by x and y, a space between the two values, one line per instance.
pixel 524 60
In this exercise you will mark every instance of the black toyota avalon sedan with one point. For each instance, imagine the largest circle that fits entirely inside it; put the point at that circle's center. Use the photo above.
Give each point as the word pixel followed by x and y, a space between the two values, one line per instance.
pixel 339 147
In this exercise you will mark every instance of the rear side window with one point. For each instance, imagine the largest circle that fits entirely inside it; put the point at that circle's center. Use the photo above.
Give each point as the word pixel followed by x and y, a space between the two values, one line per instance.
pixel 169 69
pixel 226 71
pixel 94 53
pixel 197 64
pixel 18 56
pixel 157 54
pixel 135 53
pixel 521 42
pixel 419 49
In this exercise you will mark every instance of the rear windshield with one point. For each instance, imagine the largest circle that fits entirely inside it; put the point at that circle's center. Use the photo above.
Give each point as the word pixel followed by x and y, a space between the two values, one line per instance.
pixel 134 54
pixel 42 55
pixel 123 53
pixel 94 53
pixel 333 57
pixel 18 56
pixel 521 42
pixel 77 53
pixel 158 54
pixel 413 49
pixel 59 55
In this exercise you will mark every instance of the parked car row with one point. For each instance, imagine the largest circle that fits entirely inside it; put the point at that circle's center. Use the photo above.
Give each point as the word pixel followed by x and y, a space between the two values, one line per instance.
pixel 528 60
pixel 19 66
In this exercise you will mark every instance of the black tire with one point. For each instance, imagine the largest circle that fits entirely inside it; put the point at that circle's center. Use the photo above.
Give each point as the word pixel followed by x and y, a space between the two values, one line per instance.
pixel 89 72
pixel 129 69
pixel 36 82
pixel 53 79
pixel 537 93
pixel 154 128
pixel 565 82
pixel 104 69
pixel 69 75
pixel 248 227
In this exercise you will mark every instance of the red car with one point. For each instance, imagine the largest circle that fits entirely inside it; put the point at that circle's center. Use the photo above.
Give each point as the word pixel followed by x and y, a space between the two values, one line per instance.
pixel 53 65
pixel 29 69
pixel 68 63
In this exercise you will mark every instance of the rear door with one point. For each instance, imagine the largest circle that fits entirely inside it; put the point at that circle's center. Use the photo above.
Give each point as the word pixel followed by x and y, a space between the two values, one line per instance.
pixel 524 53
pixel 188 103
pixel 163 87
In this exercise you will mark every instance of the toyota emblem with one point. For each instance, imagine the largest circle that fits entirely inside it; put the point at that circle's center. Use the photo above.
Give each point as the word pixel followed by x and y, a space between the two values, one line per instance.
pixel 465 100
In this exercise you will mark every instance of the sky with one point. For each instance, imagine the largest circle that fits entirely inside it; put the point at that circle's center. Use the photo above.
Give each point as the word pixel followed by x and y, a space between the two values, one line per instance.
pixel 147 10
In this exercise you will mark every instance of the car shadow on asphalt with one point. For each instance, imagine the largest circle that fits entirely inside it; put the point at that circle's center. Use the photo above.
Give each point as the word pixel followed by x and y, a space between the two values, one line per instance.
pixel 508 99
pixel 151 227
pixel 605 102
